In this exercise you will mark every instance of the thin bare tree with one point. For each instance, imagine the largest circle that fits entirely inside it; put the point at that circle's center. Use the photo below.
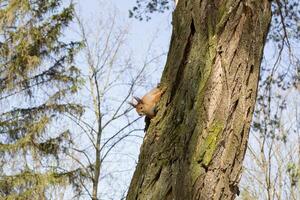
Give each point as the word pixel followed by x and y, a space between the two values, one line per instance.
pixel 111 77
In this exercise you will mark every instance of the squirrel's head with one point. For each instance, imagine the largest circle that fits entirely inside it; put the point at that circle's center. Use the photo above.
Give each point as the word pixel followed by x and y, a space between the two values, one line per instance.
pixel 139 106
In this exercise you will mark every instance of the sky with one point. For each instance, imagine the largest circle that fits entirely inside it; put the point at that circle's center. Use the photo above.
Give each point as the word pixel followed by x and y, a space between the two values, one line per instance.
pixel 141 33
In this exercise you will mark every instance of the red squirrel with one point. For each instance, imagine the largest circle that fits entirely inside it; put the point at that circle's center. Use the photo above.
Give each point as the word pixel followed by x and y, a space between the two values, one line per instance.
pixel 147 104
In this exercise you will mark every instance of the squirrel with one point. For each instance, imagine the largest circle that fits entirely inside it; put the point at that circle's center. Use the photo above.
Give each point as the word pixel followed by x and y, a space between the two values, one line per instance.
pixel 147 104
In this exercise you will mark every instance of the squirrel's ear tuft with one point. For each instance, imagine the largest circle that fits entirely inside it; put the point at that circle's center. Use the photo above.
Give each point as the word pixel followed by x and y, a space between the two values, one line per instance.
pixel 132 104
pixel 138 99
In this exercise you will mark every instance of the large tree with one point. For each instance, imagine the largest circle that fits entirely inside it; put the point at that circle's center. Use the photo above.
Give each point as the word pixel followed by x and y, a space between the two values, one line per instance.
pixel 195 146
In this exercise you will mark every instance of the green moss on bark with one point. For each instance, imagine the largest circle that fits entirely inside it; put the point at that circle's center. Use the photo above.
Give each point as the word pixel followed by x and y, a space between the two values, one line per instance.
pixel 210 143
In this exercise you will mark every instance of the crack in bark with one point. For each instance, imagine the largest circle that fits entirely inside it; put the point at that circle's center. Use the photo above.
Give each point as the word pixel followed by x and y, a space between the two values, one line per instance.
pixel 250 73
pixel 184 61
pixel 156 176
pixel 169 195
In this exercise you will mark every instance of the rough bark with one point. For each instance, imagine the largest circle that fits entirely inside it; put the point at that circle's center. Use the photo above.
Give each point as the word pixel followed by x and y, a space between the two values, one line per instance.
pixel 195 146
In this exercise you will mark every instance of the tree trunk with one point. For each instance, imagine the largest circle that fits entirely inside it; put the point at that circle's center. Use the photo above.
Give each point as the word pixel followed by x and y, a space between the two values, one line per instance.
pixel 195 146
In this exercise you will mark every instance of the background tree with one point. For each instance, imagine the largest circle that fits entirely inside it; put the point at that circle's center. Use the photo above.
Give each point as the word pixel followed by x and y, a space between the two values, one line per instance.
pixel 108 129
pixel 36 76
pixel 272 162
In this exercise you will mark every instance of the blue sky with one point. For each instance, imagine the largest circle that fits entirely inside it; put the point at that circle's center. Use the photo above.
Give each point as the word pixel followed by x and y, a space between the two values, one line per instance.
pixel 140 32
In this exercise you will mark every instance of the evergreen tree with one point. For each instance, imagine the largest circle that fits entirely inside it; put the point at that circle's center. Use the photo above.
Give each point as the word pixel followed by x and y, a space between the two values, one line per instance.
pixel 36 77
